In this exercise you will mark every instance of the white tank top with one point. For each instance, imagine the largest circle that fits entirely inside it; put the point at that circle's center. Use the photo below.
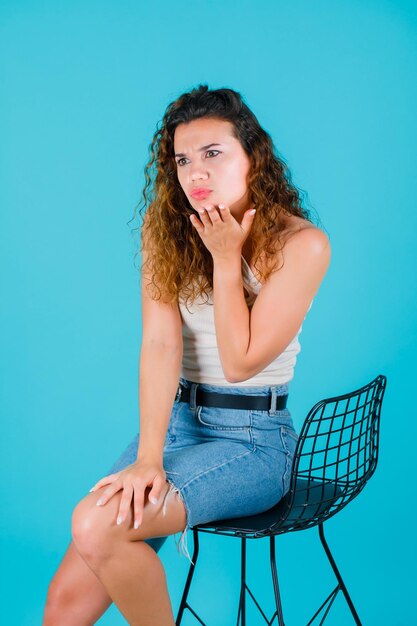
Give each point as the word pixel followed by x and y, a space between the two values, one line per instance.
pixel 201 362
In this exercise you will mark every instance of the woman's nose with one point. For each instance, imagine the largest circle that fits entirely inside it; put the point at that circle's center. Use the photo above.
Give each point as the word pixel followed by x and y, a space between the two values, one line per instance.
pixel 197 171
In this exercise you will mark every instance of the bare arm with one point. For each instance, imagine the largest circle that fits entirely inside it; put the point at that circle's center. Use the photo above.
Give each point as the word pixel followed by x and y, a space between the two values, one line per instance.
pixel 158 382
pixel 159 370
pixel 231 314
pixel 249 341
pixel 159 367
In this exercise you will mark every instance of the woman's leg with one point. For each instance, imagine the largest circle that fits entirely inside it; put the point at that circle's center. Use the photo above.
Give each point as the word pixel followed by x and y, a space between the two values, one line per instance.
pixel 76 597
pixel 127 566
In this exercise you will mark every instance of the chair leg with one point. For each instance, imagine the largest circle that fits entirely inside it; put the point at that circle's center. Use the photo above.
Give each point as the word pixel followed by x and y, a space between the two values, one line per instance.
pixel 241 614
pixel 338 576
pixel 184 603
pixel 275 582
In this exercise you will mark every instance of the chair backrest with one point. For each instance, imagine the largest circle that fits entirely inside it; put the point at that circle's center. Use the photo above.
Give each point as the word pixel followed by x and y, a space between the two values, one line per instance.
pixel 336 454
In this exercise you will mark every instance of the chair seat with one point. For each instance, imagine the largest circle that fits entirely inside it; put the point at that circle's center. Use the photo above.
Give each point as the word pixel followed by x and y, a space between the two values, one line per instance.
pixel 311 499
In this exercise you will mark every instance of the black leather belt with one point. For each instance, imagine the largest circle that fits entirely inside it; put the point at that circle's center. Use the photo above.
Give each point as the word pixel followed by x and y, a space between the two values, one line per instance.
pixel 230 401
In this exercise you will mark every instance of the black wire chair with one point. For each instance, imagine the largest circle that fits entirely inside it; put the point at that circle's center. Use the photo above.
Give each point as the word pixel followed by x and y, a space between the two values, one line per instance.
pixel 336 454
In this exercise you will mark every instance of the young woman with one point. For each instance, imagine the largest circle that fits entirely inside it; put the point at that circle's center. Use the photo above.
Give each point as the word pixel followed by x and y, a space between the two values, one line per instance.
pixel 225 291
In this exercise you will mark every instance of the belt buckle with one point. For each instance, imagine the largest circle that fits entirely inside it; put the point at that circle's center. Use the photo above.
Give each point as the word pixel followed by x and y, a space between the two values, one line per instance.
pixel 178 394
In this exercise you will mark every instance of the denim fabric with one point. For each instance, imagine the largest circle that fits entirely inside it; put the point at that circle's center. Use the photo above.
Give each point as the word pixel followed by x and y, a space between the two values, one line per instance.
pixel 224 463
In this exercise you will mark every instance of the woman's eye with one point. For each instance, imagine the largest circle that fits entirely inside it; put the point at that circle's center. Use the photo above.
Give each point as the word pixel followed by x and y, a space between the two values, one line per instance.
pixel 208 151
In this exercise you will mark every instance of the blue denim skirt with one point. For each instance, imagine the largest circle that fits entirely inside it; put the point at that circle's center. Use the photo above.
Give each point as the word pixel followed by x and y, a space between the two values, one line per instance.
pixel 223 463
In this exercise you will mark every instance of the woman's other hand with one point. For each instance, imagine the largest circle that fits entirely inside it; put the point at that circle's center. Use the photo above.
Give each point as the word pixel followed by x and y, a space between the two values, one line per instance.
pixel 133 480
pixel 219 230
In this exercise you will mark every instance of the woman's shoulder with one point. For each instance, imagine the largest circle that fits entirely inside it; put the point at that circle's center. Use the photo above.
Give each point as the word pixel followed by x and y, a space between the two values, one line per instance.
pixel 307 233
pixel 299 232
pixel 294 223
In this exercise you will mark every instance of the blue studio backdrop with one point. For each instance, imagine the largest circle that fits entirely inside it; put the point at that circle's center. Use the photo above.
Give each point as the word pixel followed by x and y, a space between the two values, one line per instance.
pixel 83 86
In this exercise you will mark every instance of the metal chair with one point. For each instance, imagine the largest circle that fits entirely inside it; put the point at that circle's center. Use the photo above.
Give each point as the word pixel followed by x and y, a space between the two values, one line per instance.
pixel 336 454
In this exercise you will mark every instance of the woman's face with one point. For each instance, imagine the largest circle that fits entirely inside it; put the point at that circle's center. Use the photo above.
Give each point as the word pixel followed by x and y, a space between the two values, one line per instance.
pixel 219 169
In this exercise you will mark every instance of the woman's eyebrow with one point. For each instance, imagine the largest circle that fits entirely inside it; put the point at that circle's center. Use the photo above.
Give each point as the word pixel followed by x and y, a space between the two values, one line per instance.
pixel 181 154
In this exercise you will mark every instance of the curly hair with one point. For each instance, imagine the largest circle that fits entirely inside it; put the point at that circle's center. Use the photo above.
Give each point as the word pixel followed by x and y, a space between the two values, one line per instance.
pixel 179 264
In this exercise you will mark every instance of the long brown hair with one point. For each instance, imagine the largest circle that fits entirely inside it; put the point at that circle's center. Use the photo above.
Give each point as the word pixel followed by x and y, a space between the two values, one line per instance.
pixel 177 260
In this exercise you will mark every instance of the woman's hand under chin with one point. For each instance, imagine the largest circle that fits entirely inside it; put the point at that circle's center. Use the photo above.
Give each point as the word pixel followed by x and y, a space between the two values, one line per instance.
pixel 220 232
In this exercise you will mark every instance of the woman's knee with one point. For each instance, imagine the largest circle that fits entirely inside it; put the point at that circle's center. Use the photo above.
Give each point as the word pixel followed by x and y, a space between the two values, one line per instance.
pixel 75 594
pixel 91 527
pixel 60 601
pixel 57 600
pixel 95 532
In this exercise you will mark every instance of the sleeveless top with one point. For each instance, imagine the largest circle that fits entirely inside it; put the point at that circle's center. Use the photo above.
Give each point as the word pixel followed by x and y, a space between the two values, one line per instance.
pixel 201 362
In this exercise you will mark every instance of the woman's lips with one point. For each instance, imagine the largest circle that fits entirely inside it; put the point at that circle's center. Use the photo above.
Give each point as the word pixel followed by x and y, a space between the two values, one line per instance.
pixel 200 194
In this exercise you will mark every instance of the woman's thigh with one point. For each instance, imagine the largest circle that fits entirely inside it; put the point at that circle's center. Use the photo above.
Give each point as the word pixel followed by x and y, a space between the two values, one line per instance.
pixel 95 530
pixel 224 463
pixel 127 457
pixel 229 462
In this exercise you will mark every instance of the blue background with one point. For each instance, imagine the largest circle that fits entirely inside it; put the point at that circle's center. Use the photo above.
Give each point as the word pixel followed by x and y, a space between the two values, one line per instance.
pixel 83 86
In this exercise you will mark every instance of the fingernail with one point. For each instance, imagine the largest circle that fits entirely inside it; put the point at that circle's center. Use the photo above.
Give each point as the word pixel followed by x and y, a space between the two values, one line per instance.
pixel 252 212
pixel 136 524
pixel 92 489
pixel 99 502
pixel 153 500
pixel 119 520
